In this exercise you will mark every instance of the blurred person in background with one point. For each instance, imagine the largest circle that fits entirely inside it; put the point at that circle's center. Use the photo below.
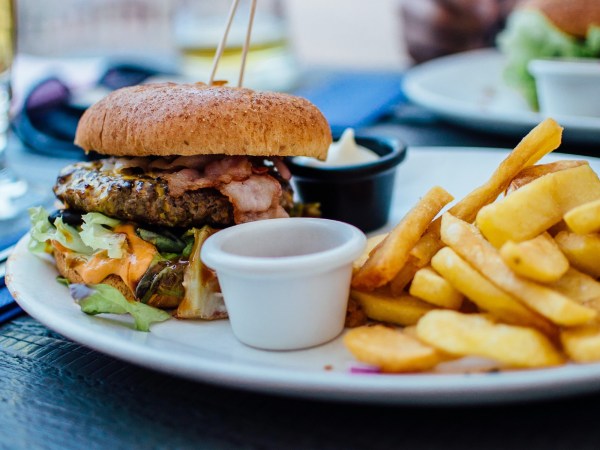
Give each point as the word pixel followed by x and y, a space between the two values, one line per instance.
pixel 434 28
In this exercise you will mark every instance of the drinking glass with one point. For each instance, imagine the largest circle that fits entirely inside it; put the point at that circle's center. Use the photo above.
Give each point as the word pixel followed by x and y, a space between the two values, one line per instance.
pixel 198 26
pixel 16 195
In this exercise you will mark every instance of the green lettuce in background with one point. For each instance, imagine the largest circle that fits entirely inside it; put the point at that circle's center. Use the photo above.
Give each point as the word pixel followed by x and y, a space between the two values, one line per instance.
pixel 42 231
pixel 529 35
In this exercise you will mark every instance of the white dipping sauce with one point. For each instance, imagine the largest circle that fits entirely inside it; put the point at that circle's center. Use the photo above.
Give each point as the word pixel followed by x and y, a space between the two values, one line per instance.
pixel 344 152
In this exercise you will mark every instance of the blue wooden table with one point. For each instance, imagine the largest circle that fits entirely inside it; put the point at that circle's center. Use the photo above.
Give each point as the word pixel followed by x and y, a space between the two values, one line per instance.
pixel 55 394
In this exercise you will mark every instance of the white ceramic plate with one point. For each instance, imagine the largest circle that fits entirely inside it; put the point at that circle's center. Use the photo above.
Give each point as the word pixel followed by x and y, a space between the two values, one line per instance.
pixel 209 352
pixel 468 89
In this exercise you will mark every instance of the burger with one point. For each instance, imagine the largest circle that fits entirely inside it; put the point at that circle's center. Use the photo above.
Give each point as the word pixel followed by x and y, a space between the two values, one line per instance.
pixel 177 163
pixel 548 29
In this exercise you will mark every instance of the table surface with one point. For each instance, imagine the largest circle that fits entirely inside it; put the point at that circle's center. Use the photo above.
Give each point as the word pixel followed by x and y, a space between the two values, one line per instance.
pixel 55 393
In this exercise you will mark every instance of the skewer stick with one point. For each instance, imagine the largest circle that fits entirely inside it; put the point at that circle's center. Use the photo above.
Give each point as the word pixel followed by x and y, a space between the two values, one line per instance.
pixel 223 42
pixel 247 43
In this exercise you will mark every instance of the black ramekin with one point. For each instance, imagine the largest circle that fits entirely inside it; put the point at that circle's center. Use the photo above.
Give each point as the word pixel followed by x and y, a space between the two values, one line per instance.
pixel 358 194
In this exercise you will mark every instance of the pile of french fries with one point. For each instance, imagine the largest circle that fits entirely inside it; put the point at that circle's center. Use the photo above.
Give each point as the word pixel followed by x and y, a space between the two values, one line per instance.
pixel 508 274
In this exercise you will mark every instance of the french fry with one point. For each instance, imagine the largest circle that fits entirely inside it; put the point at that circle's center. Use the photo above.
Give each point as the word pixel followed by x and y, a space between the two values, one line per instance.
pixel 386 260
pixel 466 241
pixel 429 286
pixel 557 228
pixel 474 334
pixel 404 310
pixel 391 350
pixel 541 140
pixel 355 316
pixel 522 270
pixel 411 331
pixel 579 286
pixel 584 219
pixel 530 173
pixel 372 243
pixel 582 344
pixel 428 245
pixel 594 303
pixel 485 294
pixel 537 259
pixel 404 277
pixel 537 206
pixel 582 251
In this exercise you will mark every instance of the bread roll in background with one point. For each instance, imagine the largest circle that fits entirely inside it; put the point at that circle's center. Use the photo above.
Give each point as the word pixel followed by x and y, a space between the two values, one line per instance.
pixel 540 29
pixel 573 17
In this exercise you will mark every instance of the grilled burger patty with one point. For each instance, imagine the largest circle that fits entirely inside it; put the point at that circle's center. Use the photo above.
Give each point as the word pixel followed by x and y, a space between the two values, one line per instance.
pixel 144 199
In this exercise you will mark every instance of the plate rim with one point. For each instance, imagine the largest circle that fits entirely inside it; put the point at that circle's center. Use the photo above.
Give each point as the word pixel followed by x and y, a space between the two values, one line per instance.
pixel 467 113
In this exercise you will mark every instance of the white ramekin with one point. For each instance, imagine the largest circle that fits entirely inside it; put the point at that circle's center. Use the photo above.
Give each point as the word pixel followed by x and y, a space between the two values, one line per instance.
pixel 567 86
pixel 285 282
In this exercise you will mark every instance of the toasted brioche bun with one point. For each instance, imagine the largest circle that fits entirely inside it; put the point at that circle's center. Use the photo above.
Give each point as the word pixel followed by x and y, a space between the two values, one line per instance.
pixel 573 17
pixel 70 274
pixel 195 119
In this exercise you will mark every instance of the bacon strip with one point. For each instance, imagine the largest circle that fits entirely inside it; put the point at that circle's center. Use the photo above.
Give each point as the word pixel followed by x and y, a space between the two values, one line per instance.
pixel 255 198
pixel 253 193
pixel 225 170
pixel 182 162
pixel 118 164
pixel 186 180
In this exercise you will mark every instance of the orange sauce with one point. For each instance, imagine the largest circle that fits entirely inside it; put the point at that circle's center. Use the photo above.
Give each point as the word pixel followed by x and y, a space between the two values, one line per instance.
pixel 131 267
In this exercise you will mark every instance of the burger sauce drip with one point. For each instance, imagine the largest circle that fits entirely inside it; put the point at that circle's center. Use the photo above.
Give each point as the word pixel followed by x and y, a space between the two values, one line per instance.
pixel 131 267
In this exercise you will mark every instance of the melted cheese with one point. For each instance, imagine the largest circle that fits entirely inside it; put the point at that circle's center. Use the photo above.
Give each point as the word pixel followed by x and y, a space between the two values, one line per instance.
pixel 137 257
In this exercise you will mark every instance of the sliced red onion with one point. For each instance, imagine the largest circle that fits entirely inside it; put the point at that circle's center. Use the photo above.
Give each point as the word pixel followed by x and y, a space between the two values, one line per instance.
pixel 79 291
pixel 358 368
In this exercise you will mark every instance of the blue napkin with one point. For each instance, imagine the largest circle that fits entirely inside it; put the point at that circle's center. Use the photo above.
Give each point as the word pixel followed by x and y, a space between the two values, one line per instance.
pixel 9 309
pixel 11 239
pixel 47 121
pixel 355 99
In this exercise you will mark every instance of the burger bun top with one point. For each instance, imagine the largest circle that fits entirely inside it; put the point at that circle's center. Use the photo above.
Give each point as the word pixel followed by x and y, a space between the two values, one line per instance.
pixel 165 119
pixel 573 17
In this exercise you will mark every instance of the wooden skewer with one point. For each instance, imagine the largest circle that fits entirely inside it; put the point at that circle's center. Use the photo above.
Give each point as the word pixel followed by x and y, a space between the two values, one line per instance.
pixel 223 42
pixel 247 43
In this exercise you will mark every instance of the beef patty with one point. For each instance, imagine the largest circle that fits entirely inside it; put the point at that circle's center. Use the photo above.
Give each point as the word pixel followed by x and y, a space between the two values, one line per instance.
pixel 140 198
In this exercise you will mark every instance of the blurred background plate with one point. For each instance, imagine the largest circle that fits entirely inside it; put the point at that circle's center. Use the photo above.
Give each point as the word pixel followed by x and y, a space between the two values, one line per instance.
pixel 483 103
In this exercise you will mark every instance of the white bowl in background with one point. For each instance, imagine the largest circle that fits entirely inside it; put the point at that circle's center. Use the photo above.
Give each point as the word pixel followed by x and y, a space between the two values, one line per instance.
pixel 285 282
pixel 567 86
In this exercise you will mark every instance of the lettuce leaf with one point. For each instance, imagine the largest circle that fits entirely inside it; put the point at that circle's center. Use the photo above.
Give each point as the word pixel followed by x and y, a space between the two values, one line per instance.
pixel 96 232
pixel 529 35
pixel 103 298
pixel 593 40
pixel 43 231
